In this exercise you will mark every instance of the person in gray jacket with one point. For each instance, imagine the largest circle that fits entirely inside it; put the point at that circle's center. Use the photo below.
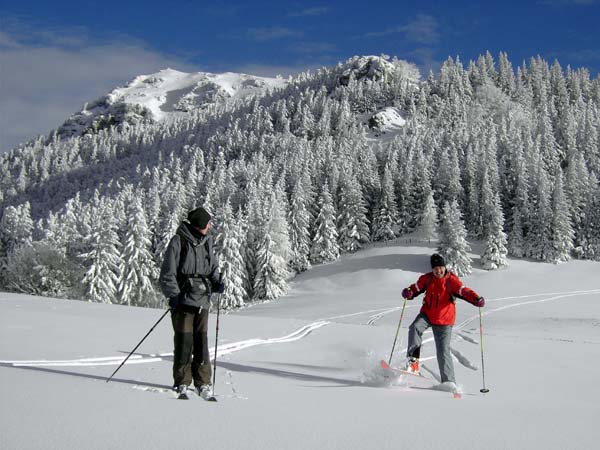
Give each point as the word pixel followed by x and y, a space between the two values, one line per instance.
pixel 188 276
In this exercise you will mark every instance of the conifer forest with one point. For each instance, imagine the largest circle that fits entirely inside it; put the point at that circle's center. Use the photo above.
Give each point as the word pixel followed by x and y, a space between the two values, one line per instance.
pixel 507 157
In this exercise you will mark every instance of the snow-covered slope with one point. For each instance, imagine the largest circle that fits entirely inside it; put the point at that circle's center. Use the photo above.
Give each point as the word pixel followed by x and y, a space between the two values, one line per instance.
pixel 166 94
pixel 302 372
pixel 171 93
pixel 384 125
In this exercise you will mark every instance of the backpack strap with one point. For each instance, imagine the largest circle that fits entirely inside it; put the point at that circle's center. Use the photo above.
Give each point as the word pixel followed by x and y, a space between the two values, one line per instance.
pixel 429 278
pixel 449 289
pixel 183 251
pixel 182 278
pixel 185 248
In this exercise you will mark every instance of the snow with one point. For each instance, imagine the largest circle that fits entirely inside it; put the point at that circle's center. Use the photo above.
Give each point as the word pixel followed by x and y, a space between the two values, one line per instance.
pixel 302 372
pixel 390 117
pixel 384 125
pixel 168 95
pixel 169 90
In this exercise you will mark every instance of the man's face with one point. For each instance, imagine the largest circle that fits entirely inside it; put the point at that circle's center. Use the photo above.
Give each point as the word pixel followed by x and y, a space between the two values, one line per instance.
pixel 206 229
pixel 439 271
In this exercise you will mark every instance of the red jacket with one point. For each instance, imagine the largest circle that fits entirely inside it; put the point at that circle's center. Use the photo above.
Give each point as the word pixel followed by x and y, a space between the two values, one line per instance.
pixel 438 304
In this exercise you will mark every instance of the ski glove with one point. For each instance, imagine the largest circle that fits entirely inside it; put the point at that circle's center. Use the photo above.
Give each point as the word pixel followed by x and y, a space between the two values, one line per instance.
pixel 480 302
pixel 218 287
pixel 174 301
pixel 407 293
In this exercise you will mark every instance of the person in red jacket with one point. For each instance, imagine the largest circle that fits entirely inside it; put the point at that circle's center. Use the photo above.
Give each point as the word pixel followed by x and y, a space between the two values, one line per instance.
pixel 441 287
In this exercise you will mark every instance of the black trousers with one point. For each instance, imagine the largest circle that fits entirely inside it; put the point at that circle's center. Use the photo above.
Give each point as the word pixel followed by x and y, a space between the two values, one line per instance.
pixel 191 358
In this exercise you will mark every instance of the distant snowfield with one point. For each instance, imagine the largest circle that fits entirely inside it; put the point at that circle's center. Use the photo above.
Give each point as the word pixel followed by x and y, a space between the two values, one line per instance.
pixel 170 90
pixel 168 95
pixel 303 372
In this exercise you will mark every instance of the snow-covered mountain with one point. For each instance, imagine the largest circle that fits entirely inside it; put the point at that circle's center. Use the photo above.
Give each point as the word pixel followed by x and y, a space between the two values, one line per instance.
pixel 359 152
pixel 165 95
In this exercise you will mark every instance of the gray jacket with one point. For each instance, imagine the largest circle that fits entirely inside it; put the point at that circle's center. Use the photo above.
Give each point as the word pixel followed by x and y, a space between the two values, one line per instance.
pixel 197 273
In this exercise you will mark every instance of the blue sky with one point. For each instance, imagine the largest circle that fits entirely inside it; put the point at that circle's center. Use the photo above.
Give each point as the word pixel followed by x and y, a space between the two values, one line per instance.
pixel 56 55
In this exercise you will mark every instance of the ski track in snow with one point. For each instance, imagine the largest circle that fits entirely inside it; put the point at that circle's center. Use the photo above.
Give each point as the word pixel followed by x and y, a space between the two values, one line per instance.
pixel 141 359
pixel 464 337
pixel 381 313
pixel 462 359
pixel 378 316
pixel 85 362
pixel 295 336
pixel 556 296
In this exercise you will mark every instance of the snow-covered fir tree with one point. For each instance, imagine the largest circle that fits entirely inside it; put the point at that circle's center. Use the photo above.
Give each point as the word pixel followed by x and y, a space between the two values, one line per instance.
pixel 577 187
pixel 272 252
pixel 230 241
pixel 453 245
pixel 495 251
pixel 16 228
pixel 429 220
pixel 562 231
pixel 139 271
pixel 518 206
pixel 448 184
pixel 259 197
pixel 353 228
pixel 171 215
pixel 591 224
pixel 539 236
pixel 325 246
pixel 300 220
pixel 103 262
pixel 386 213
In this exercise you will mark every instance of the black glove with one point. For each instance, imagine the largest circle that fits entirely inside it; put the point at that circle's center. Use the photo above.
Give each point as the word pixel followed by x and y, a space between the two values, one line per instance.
pixel 218 286
pixel 480 302
pixel 174 301
pixel 407 294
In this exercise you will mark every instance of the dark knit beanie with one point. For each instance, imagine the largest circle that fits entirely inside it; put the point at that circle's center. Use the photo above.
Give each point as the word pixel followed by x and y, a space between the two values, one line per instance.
pixel 437 260
pixel 199 217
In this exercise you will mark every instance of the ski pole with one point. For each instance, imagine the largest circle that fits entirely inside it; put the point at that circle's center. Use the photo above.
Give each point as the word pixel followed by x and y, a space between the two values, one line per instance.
pixel 484 389
pixel 397 332
pixel 140 343
pixel 213 398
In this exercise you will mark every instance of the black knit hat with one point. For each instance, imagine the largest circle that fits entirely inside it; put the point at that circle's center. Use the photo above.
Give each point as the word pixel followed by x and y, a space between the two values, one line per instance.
pixel 437 260
pixel 199 217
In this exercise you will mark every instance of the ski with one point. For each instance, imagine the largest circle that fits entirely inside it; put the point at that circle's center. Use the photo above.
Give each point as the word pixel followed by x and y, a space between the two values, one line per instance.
pixel 386 366
pixel 418 381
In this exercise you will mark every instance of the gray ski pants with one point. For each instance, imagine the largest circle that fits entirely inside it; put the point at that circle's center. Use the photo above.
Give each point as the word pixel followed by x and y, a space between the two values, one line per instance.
pixel 442 335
